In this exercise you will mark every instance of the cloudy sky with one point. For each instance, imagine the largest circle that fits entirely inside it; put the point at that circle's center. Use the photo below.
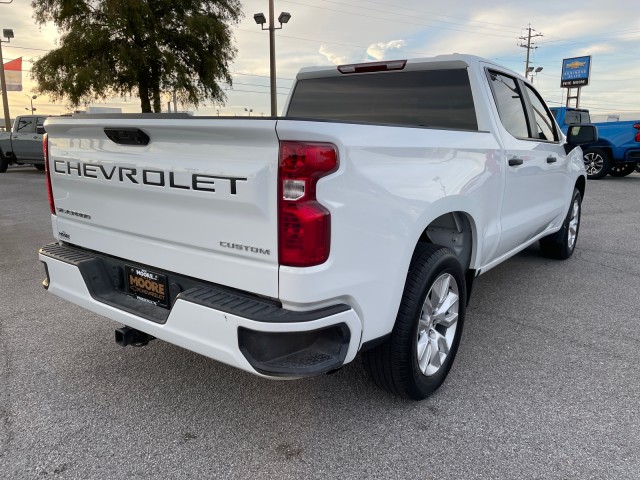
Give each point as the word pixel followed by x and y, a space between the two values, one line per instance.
pixel 326 32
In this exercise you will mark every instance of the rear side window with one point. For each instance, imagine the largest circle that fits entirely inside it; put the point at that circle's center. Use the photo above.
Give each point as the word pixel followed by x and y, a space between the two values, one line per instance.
pixel 573 117
pixel 427 98
pixel 544 128
pixel 26 125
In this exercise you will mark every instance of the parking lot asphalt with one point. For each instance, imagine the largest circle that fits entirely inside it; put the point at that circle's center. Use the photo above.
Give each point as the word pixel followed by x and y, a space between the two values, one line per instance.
pixel 546 383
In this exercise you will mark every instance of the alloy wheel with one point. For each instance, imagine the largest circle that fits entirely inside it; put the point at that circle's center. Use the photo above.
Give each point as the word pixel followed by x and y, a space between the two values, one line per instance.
pixel 437 324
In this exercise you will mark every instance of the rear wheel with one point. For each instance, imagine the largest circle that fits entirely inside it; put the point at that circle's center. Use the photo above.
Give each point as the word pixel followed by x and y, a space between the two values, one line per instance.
pixel 560 245
pixel 39 166
pixel 638 167
pixel 4 164
pixel 417 357
pixel 596 162
pixel 622 169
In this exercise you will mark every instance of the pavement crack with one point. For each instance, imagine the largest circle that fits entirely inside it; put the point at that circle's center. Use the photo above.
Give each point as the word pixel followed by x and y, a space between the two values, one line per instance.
pixel 610 267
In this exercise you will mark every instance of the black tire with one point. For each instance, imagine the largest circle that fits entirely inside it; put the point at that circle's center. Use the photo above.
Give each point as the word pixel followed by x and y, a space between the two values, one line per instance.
pixel 597 162
pixel 393 365
pixel 561 245
pixel 638 167
pixel 39 166
pixel 4 164
pixel 622 169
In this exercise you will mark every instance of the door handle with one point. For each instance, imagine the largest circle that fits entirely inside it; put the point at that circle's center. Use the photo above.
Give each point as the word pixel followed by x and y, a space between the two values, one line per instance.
pixel 515 161
pixel 552 159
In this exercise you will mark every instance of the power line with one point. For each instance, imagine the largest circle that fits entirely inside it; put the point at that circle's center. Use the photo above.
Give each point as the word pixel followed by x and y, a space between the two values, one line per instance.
pixel 232 74
pixel 360 15
pixel 29 48
pixel 594 35
pixel 516 29
pixel 251 91
pixel 322 42
pixel 258 85
pixel 262 76
pixel 389 12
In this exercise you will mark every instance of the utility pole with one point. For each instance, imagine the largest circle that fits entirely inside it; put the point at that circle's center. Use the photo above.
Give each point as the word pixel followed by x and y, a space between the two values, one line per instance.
pixel 7 32
pixel 529 46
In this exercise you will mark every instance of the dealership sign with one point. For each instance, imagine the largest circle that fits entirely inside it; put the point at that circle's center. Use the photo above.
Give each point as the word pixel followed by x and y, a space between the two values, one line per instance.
pixel 575 72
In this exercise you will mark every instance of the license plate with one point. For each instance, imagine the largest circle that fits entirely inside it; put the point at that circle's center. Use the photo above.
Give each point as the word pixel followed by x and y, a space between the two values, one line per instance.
pixel 147 285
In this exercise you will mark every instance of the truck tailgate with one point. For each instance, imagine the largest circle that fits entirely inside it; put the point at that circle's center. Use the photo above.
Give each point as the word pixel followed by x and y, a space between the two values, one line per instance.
pixel 200 199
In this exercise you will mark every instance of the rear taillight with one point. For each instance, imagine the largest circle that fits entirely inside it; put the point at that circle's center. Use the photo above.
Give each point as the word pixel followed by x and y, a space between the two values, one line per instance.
pixel 304 225
pixel 637 127
pixel 45 150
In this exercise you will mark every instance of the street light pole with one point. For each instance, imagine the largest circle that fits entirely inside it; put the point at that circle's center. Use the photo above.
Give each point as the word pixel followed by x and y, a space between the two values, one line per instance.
pixel 533 73
pixel 7 119
pixel 272 60
pixel 31 99
pixel 261 20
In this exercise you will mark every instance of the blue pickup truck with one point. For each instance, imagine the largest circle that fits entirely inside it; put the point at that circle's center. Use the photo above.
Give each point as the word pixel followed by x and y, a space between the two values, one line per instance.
pixel 617 151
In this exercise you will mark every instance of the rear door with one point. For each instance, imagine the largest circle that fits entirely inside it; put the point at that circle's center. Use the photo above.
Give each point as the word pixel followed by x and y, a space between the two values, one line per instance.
pixel 534 158
pixel 198 197
pixel 551 151
pixel 26 143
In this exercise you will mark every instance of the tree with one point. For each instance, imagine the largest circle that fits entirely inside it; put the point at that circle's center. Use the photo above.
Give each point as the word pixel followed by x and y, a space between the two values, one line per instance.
pixel 118 47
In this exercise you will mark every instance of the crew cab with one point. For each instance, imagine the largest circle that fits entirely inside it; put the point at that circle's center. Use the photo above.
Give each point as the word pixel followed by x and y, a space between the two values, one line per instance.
pixel 23 144
pixel 617 151
pixel 355 223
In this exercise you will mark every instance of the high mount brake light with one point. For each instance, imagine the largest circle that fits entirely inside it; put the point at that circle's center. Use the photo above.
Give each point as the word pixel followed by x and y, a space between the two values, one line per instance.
pixel 45 150
pixel 372 67
pixel 304 225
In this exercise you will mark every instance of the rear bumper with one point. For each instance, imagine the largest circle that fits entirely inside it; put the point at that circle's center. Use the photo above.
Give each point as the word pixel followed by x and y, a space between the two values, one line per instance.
pixel 247 332
pixel 632 155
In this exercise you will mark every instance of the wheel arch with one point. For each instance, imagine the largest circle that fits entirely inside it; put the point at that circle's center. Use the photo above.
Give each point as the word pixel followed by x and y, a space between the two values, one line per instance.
pixel 449 219
pixel 455 230
pixel 581 185
pixel 4 161
pixel 602 145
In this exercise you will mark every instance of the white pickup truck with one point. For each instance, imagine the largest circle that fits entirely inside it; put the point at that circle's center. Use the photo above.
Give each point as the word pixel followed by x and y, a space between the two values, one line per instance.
pixel 355 223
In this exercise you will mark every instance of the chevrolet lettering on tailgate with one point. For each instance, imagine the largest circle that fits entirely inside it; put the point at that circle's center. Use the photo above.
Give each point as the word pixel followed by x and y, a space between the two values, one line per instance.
pixel 154 178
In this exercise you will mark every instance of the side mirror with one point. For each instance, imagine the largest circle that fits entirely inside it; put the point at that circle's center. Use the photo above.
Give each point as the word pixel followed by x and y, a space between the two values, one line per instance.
pixel 40 129
pixel 582 134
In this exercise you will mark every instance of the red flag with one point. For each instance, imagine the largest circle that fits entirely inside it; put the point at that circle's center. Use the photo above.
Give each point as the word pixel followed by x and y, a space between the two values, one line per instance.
pixel 13 75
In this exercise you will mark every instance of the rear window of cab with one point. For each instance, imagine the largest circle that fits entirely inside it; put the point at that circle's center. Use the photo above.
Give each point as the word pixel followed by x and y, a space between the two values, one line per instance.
pixel 424 98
